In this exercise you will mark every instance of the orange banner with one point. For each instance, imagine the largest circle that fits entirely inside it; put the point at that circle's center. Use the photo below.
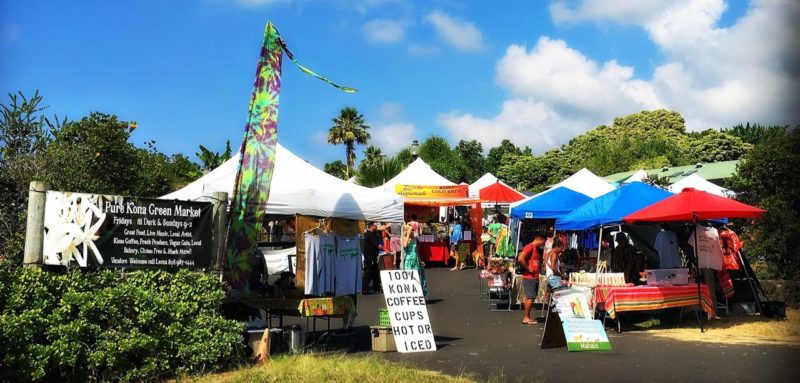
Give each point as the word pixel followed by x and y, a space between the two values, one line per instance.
pixel 422 191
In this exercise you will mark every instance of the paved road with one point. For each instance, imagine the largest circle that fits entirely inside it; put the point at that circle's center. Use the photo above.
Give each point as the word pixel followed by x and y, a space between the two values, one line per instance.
pixel 488 344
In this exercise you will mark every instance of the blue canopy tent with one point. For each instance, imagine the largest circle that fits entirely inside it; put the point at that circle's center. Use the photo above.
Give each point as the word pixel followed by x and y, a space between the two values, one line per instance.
pixel 609 209
pixel 551 204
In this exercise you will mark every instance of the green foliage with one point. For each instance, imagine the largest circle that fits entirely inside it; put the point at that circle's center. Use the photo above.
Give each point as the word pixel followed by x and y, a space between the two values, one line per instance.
pixel 376 173
pixel 756 134
pixel 713 146
pixel 336 168
pixel 494 159
pixel 472 164
pixel 436 152
pixel 210 160
pixel 349 129
pixel 103 326
pixel 767 177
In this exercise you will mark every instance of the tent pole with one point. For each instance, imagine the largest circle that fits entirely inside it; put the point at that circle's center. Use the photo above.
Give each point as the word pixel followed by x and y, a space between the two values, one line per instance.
pixel 697 277
pixel 597 267
pixel 519 228
pixel 750 282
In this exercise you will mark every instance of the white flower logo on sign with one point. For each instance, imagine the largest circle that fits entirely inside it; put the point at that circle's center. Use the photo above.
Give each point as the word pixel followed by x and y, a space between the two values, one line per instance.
pixel 71 222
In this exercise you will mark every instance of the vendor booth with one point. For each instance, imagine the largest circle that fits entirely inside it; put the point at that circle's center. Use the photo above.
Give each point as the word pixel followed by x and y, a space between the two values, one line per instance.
pixel 424 193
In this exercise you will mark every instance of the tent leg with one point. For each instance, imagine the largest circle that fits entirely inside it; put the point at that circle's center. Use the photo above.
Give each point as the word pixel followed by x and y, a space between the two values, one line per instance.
pixel 750 282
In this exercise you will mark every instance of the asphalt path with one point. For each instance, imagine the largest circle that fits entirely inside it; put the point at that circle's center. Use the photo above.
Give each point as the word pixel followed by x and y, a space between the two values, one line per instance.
pixel 496 345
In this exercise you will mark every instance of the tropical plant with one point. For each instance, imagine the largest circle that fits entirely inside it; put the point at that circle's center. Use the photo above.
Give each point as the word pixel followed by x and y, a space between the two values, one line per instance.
pixel 210 160
pixel 336 168
pixel 372 174
pixel 755 133
pixel 372 155
pixel 349 129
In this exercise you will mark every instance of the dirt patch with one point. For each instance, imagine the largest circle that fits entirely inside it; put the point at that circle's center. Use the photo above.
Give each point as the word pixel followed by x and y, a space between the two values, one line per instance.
pixel 741 329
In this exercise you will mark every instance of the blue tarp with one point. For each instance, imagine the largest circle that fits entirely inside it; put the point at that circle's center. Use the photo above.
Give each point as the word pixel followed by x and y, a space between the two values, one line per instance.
pixel 610 208
pixel 551 204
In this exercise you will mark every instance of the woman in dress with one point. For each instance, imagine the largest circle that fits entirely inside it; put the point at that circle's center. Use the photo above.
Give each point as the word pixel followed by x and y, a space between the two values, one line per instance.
pixel 412 262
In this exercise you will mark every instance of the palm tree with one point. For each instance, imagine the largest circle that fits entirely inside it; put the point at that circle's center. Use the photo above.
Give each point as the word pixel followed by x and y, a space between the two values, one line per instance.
pixel 378 172
pixel 372 155
pixel 350 129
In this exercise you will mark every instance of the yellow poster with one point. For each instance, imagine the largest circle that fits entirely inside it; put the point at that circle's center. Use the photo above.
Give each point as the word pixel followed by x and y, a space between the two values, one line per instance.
pixel 422 191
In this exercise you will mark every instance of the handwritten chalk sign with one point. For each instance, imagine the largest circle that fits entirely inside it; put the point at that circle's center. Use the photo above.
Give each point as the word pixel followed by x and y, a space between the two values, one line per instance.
pixel 408 313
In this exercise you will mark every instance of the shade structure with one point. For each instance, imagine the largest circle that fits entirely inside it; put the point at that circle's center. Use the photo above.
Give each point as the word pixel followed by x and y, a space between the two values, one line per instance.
pixel 417 173
pixel 586 182
pixel 498 192
pixel 694 205
pixel 552 204
pixel 699 183
pixel 610 208
pixel 300 188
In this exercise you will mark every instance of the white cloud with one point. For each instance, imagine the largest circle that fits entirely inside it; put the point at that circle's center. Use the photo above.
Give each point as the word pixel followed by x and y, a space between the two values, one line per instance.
pixel 422 50
pixel 462 35
pixel 619 11
pixel 384 31
pixel 393 137
pixel 714 76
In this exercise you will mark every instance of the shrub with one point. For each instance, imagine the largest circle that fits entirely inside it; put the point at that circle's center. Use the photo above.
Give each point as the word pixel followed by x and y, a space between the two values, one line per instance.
pixel 103 325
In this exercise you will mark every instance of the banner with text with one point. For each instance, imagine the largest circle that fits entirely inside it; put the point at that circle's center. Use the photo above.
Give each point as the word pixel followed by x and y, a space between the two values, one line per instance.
pixel 422 191
pixel 408 313
pixel 585 335
pixel 113 231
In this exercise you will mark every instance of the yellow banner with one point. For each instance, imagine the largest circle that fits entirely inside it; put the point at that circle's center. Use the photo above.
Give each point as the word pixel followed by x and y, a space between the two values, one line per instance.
pixel 421 191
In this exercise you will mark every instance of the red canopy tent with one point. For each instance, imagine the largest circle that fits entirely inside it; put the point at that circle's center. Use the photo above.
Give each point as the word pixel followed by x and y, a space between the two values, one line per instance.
pixel 691 205
pixel 500 193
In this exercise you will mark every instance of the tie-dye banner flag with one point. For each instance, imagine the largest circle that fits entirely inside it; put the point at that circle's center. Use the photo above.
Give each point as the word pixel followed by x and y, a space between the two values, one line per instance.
pixel 257 160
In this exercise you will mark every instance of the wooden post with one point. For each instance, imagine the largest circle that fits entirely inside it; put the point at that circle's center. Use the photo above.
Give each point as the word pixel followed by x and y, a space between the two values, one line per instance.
pixel 220 220
pixel 34 231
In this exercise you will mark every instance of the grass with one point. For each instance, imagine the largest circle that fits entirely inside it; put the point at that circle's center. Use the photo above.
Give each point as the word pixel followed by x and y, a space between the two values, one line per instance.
pixel 737 329
pixel 328 367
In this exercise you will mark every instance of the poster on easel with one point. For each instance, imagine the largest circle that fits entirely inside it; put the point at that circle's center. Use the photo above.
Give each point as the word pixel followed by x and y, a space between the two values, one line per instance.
pixel 572 303
pixel 585 335
pixel 570 323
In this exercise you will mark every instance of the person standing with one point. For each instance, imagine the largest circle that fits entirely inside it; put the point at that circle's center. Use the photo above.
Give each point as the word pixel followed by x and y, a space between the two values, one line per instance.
pixel 529 260
pixel 456 234
pixel 411 260
pixel 552 262
pixel 373 243
pixel 625 259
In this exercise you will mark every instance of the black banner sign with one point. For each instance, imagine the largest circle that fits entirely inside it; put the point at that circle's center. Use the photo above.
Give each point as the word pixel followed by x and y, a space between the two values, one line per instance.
pixel 112 231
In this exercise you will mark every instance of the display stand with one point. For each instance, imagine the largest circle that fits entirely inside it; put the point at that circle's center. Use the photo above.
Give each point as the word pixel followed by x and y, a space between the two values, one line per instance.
pixel 553 335
pixel 501 288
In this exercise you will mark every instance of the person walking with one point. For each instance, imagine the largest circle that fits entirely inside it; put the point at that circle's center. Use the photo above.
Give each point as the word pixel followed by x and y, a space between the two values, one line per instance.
pixel 529 260
pixel 456 235
pixel 373 244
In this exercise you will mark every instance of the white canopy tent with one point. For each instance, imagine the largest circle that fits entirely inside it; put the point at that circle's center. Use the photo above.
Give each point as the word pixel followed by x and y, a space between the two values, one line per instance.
pixel 417 173
pixel 640 175
pixel 700 183
pixel 586 182
pixel 299 187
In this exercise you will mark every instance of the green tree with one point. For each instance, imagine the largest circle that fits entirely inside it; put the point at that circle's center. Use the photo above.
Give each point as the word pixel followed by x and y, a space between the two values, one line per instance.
pixel 210 160
pixel 755 133
pixel 376 173
pixel 472 164
pixel 349 129
pixel 495 157
pixel 336 168
pixel 713 146
pixel 436 152
pixel 767 178
pixel 372 155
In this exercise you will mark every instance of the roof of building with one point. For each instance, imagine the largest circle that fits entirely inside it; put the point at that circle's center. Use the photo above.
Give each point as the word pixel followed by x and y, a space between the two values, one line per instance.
pixel 710 171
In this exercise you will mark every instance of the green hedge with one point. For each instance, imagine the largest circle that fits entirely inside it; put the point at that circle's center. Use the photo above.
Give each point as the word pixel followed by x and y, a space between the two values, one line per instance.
pixel 105 326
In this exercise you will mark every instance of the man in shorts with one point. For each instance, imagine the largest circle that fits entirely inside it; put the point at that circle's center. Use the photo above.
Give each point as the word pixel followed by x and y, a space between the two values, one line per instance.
pixel 529 260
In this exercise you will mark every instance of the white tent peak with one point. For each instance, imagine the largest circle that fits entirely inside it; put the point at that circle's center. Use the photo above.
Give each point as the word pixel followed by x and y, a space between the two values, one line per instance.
pixel 299 187
pixel 417 173
pixel 586 182
pixel 486 180
pixel 639 175
pixel 700 183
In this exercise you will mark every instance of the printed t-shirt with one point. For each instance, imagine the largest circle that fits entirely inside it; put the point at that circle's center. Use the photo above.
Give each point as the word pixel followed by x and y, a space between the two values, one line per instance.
pixel 708 247
pixel 348 266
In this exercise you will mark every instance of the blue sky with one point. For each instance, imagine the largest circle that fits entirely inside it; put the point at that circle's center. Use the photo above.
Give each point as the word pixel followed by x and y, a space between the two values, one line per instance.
pixel 537 72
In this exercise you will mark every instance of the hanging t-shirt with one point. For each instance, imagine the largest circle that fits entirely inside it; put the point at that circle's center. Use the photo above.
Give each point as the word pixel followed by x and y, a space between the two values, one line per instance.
pixel 667 247
pixel 348 265
pixel 708 248
pixel 313 266
pixel 327 251
pixel 730 249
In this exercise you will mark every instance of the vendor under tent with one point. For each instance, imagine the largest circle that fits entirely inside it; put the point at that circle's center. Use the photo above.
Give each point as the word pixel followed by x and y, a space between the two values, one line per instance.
pixel 425 192
pixel 694 206
pixel 699 183
pixel 586 182
pixel 300 188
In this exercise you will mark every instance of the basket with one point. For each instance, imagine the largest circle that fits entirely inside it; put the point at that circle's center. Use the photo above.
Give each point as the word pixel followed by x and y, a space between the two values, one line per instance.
pixel 383 318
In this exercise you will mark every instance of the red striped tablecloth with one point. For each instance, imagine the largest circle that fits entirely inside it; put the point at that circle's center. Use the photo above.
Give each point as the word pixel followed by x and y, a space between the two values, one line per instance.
pixel 642 298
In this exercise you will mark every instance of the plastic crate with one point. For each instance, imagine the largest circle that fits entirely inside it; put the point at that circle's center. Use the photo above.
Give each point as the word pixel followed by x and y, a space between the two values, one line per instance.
pixel 383 318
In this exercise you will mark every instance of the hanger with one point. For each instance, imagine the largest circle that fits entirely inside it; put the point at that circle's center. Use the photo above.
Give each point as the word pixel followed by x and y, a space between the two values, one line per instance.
pixel 318 228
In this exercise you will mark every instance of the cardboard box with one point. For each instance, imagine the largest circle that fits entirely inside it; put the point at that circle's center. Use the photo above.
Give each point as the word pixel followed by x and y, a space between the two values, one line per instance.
pixel 382 339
